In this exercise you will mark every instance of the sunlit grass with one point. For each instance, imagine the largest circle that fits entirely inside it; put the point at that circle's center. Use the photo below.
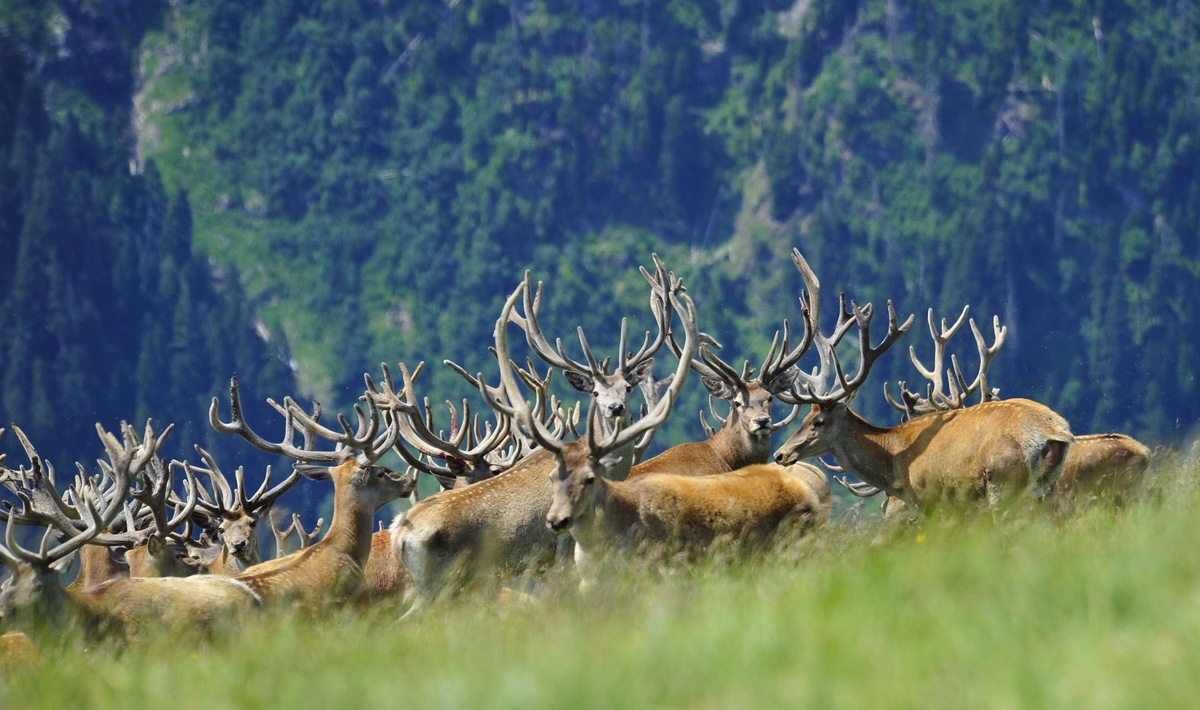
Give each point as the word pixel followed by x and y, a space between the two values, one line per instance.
pixel 1101 610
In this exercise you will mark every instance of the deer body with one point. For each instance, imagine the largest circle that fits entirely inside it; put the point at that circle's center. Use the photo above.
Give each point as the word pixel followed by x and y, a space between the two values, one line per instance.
pixel 1101 466
pixel 748 504
pixel 176 604
pixel 331 570
pixel 992 450
pixel 730 447
pixel 496 523
pixel 385 577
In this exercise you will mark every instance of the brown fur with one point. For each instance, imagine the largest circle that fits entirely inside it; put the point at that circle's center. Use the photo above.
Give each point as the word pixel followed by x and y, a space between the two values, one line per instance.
pixel 1101 467
pixel 18 651
pixel 497 523
pixel 173 604
pixel 991 451
pixel 745 439
pixel 96 565
pixel 747 506
pixel 331 570
pixel 386 577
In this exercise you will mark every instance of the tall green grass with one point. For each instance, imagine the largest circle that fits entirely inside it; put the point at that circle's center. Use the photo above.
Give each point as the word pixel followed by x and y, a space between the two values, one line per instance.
pixel 1101 610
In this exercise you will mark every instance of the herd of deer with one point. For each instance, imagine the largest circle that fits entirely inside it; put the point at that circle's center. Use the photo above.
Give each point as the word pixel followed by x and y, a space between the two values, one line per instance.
pixel 529 485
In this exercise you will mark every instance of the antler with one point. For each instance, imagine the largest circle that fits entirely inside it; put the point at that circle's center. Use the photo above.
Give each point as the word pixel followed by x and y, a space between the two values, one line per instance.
pixel 41 504
pixel 365 438
pixel 225 499
pixel 297 528
pixel 817 388
pixel 415 424
pixel 960 391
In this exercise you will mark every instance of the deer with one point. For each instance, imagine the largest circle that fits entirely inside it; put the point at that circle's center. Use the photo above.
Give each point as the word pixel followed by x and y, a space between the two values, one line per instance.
pixel 230 516
pixel 499 524
pixel 744 437
pixel 992 452
pixel 34 597
pixel 330 571
pixel 606 451
pixel 1107 467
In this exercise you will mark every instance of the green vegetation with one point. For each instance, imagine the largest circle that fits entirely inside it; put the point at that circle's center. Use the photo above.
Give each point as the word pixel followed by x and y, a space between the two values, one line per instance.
pixel 1096 611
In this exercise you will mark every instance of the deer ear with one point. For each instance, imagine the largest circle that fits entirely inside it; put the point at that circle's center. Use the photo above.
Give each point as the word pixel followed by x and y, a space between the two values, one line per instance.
pixel 311 471
pixel 718 387
pixel 782 382
pixel 642 371
pixel 155 545
pixel 579 381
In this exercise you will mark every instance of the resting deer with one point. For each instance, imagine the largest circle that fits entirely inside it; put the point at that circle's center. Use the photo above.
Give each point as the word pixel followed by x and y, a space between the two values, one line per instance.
pixel 991 451
pixel 329 571
pixel 745 435
pixel 231 517
pixel 33 595
pixel 499 523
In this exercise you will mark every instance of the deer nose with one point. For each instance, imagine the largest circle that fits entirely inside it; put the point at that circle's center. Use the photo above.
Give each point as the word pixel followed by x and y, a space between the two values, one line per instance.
pixel 558 524
pixel 779 458
pixel 239 545
pixel 762 422
pixel 616 409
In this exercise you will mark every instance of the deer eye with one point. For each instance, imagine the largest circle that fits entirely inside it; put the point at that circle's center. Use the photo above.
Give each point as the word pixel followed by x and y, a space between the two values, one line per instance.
pixel 595 393
pixel 589 481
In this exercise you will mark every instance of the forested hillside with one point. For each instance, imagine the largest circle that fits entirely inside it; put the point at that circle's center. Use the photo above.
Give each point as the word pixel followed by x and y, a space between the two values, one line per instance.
pixel 369 179
pixel 108 311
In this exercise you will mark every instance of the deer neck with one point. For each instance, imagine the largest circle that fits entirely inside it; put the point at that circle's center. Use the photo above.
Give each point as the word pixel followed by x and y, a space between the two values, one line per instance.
pixel 95 565
pixel 352 526
pixel 736 447
pixel 870 452
pixel 613 511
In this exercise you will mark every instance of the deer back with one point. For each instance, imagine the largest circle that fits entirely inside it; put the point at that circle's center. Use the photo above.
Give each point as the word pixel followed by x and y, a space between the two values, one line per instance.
pixel 1102 466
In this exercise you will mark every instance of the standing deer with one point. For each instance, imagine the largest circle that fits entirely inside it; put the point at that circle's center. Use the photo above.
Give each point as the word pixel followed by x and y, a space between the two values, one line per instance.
pixel 499 523
pixel 600 455
pixel 1106 467
pixel 991 451
pixel 600 508
pixel 33 595
pixel 330 570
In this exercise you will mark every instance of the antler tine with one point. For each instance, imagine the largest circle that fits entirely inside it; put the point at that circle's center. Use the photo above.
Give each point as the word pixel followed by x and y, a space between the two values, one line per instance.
pixel 708 429
pixel 986 354
pixel 934 374
pixel 517 407
pixel 237 425
pixel 126 459
pixel 14 554
pixel 809 299
pixel 528 322
pixel 808 389
pixel 35 487
pixel 859 489
pixel 787 420
pixel 663 282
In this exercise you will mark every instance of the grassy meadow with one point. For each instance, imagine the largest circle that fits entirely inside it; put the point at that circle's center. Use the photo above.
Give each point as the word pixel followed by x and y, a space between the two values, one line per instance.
pixel 1101 610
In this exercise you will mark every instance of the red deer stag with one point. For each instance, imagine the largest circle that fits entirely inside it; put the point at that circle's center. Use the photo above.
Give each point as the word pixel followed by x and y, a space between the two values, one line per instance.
pixel 331 570
pixel 230 517
pixel 1098 467
pixel 992 451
